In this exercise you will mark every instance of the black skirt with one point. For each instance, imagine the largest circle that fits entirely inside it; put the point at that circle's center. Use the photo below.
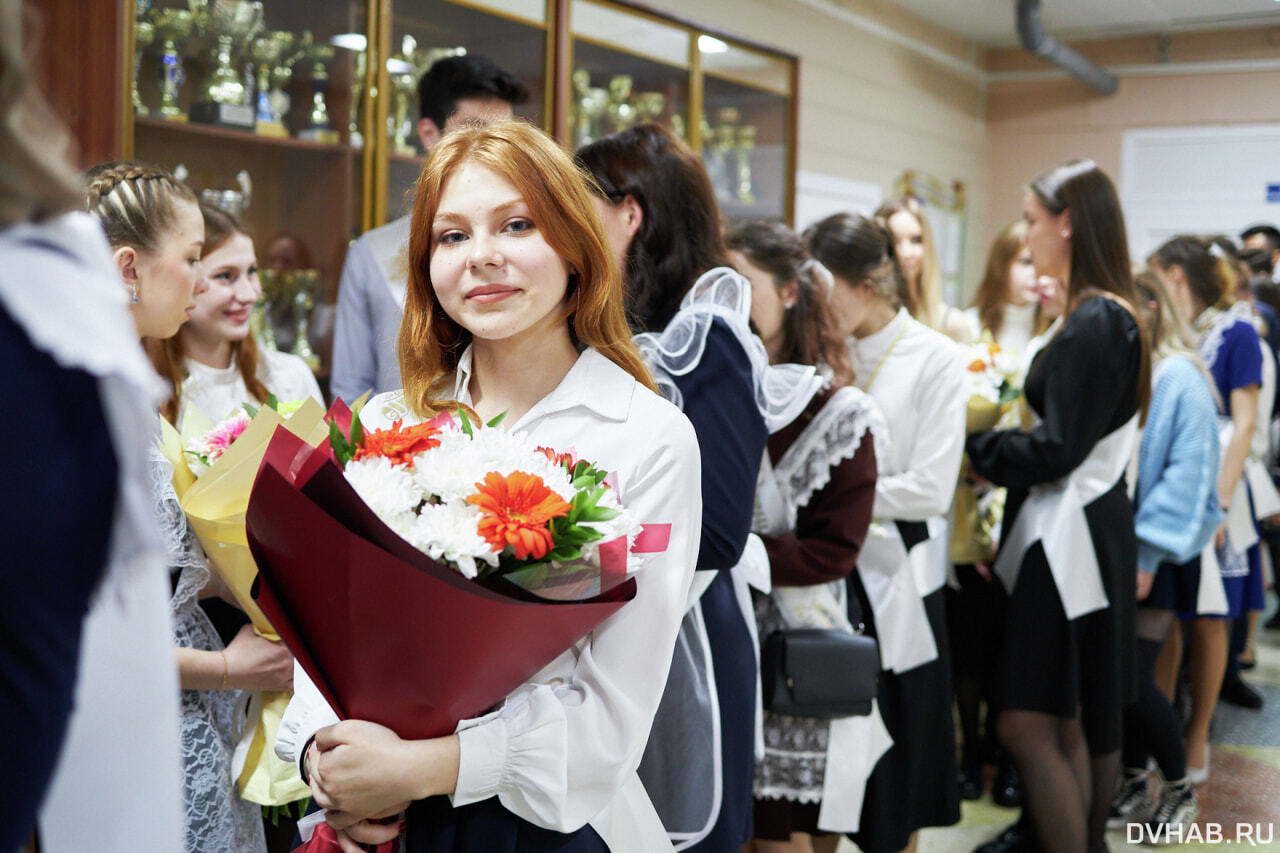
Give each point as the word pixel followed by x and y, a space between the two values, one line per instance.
pixel 1175 587
pixel 1085 666
pixel 914 784
pixel 435 826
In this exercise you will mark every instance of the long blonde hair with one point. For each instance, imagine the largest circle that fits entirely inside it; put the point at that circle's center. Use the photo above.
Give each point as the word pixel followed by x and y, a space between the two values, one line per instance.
pixel 923 298
pixel 37 180
pixel 559 201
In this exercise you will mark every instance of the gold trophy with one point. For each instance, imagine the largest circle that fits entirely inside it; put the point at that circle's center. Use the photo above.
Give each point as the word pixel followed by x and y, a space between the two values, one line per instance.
pixel 650 106
pixel 746 143
pixel 304 285
pixel 172 27
pixel 725 140
pixel 144 32
pixel 588 107
pixel 406 69
pixel 266 52
pixel 231 23
pixel 359 67
pixel 621 112
pixel 319 128
pixel 276 288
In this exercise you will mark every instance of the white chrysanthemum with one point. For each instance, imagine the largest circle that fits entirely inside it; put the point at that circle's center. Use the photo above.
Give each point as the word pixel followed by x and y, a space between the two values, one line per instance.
pixel 389 490
pixel 449 532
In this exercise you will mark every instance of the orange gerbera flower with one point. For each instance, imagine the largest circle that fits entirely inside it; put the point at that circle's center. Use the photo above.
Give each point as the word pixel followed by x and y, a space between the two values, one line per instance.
pixel 516 511
pixel 399 445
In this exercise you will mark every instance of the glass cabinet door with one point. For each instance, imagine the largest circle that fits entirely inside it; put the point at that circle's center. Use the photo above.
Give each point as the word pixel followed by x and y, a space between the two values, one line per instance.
pixel 746 128
pixel 513 33
pixel 628 67
pixel 259 103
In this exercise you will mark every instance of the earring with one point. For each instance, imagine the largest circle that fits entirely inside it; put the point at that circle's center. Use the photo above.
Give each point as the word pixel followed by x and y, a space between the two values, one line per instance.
pixel 1066 233
pixel 134 300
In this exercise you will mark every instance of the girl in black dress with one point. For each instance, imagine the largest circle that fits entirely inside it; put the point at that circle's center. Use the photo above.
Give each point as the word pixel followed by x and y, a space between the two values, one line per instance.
pixel 1068 555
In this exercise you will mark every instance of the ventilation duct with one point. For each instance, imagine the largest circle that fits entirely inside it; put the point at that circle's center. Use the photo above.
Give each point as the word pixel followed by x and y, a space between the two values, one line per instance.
pixel 1045 46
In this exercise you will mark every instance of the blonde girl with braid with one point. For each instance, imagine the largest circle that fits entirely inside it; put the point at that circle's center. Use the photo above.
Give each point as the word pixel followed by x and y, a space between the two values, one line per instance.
pixel 156 232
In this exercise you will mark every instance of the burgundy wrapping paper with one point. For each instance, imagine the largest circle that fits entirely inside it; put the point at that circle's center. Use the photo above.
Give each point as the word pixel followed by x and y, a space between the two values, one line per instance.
pixel 387 634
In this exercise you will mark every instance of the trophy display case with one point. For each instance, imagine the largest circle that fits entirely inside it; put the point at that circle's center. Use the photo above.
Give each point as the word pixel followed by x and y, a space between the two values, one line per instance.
pixel 511 32
pixel 258 103
pixel 302 116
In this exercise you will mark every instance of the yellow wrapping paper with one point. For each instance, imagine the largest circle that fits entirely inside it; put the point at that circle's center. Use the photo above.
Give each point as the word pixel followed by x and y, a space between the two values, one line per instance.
pixel 215 506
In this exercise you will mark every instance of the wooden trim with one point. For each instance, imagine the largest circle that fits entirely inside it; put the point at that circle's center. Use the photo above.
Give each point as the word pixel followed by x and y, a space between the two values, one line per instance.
pixel 793 148
pixel 694 118
pixel 126 102
pixel 378 153
pixel 557 90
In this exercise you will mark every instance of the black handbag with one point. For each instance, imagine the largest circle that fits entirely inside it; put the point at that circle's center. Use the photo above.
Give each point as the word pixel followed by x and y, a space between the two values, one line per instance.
pixel 819 672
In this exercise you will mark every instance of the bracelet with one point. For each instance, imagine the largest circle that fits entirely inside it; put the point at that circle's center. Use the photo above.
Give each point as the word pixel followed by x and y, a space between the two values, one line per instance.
pixel 224 671
pixel 302 761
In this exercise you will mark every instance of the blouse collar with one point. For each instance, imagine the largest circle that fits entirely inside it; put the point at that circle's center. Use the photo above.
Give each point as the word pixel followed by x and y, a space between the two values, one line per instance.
pixel 593 382
pixel 876 344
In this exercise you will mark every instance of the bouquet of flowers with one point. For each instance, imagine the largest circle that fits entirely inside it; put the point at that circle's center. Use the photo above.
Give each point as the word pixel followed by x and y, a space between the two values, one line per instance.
pixel 420 574
pixel 991 373
pixel 214 467
pixel 483 501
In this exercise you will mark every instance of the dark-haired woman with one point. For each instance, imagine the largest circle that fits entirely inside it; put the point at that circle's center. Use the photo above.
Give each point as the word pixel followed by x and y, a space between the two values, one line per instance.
pixel 813 508
pixel 659 212
pixel 1068 552
pixel 1229 345
pixel 915 375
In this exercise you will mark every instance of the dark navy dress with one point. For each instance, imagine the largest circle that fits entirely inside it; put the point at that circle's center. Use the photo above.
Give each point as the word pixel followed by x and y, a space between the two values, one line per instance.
pixel 719 399
pixel 59 478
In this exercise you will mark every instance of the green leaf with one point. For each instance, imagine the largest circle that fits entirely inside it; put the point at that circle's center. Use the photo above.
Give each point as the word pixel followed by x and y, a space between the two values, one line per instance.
pixel 497 419
pixel 466 423
pixel 251 410
pixel 357 431
pixel 272 402
pixel 342 449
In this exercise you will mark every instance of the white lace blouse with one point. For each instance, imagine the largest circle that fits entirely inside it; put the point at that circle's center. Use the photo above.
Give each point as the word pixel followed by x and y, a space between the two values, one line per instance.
pixel 563 749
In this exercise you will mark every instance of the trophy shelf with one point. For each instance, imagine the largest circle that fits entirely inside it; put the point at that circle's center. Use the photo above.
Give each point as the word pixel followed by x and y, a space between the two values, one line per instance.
pixel 193 130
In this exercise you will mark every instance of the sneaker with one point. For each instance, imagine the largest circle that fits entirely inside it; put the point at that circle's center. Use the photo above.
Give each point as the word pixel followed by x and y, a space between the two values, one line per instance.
pixel 1174 815
pixel 1132 803
pixel 1235 691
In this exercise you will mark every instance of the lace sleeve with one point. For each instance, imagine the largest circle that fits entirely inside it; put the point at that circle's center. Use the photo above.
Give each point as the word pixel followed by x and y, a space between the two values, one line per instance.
pixel 183 554
pixel 833 436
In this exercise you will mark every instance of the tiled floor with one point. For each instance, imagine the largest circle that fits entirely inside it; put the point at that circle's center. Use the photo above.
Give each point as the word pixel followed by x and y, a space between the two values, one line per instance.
pixel 1243 788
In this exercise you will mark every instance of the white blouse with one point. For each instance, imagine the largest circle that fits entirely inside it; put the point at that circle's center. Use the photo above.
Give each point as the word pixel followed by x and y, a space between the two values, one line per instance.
pixel 915 374
pixel 563 748
pixel 920 387
pixel 216 391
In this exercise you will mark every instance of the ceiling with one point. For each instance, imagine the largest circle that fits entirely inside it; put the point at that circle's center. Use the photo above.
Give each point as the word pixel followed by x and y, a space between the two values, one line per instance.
pixel 991 22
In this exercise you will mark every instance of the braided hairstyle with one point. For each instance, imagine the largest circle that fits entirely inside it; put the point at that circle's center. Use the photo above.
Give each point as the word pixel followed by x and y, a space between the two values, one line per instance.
pixel 134 202
pixel 169 356
pixel 808 336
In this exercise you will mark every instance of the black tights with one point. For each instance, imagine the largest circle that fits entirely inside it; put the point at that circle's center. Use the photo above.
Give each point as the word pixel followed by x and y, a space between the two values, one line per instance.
pixel 1151 726
pixel 1066 791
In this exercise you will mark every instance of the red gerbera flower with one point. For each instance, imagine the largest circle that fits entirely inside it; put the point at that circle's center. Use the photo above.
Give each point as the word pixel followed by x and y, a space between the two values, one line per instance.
pixel 399 445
